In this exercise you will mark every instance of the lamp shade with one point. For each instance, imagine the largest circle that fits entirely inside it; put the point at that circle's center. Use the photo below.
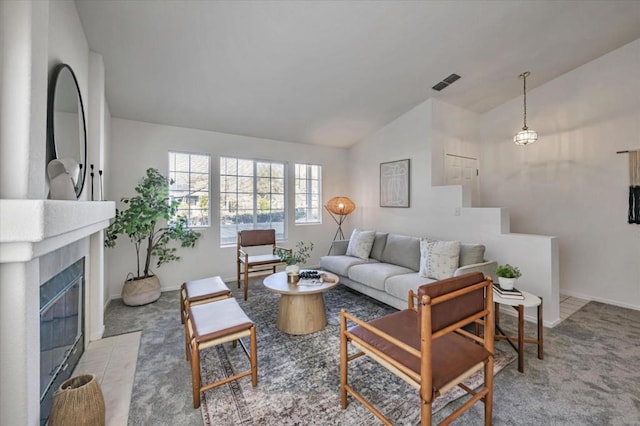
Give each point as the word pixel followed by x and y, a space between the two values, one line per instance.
pixel 341 205
pixel 525 137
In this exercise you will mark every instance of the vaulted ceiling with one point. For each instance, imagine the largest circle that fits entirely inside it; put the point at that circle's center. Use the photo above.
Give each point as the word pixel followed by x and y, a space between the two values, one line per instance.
pixel 332 72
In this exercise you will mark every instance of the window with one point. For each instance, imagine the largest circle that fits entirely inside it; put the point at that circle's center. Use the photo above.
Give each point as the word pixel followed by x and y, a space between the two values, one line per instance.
pixel 252 196
pixel 190 175
pixel 308 193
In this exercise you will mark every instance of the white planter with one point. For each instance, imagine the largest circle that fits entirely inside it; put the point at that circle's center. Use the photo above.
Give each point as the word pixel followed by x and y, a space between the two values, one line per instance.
pixel 292 270
pixel 507 283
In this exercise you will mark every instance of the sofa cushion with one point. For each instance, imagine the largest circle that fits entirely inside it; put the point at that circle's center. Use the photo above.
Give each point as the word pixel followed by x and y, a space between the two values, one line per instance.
pixel 403 251
pixel 340 264
pixel 471 253
pixel 378 245
pixel 375 274
pixel 360 243
pixel 399 285
pixel 438 259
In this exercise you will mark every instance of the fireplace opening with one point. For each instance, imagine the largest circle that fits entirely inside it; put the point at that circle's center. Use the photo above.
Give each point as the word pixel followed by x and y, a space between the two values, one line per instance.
pixel 61 331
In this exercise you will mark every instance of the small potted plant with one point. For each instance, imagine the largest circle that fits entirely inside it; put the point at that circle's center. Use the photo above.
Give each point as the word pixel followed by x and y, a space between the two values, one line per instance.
pixel 294 258
pixel 507 276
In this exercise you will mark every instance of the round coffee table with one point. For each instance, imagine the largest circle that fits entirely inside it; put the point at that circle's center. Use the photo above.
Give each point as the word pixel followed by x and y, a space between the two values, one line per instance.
pixel 302 308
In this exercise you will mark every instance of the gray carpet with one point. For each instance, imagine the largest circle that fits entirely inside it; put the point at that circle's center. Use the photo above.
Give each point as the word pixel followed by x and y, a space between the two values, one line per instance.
pixel 590 374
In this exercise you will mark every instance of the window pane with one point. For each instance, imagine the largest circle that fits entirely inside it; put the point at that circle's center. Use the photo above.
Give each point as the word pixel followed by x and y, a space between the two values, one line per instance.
pixel 259 201
pixel 190 173
pixel 308 193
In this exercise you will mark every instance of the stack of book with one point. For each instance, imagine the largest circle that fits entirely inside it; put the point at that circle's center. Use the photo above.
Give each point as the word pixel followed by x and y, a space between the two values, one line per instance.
pixel 514 293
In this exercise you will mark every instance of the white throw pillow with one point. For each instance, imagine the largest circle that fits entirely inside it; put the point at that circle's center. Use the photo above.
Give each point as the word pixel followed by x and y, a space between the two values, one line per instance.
pixel 438 259
pixel 360 243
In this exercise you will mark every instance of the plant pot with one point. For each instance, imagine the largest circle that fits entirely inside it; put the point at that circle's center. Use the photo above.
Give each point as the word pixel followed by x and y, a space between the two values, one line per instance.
pixel 507 283
pixel 141 291
pixel 78 402
pixel 292 270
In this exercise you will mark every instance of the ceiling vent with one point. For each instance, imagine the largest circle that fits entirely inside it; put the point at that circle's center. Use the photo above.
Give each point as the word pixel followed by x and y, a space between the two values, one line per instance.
pixel 446 82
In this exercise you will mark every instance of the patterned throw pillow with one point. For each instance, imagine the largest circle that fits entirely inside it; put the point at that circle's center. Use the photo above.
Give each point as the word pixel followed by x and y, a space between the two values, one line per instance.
pixel 360 243
pixel 438 259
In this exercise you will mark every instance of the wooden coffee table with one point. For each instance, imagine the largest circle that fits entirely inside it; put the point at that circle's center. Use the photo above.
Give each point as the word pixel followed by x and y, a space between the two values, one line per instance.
pixel 302 308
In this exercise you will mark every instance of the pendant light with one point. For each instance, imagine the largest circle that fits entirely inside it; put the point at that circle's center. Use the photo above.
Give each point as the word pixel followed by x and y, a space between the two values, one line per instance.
pixel 525 136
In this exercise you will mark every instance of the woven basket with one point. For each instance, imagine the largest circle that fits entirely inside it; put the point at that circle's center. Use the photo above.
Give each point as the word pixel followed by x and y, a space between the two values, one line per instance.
pixel 78 402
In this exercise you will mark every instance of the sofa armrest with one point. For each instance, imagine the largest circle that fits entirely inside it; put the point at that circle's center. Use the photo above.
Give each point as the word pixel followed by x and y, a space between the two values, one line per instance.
pixel 339 247
pixel 487 268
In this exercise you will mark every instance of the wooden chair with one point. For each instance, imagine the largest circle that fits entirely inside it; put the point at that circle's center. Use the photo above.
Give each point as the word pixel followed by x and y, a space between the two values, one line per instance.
pixel 427 347
pixel 248 263
pixel 215 323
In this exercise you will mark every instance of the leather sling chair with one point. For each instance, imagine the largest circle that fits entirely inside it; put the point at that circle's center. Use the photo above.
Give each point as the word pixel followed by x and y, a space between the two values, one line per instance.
pixel 427 346
pixel 247 262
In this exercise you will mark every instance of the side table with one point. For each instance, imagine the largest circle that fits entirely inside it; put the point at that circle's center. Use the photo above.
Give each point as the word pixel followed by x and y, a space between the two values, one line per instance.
pixel 529 300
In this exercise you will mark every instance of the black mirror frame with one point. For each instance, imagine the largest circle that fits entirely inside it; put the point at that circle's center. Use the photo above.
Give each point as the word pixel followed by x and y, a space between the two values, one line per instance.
pixel 52 151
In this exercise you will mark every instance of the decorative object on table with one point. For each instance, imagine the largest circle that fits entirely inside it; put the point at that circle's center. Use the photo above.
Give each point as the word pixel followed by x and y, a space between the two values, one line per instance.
pixel 101 193
pixel 525 136
pixel 141 222
pixel 66 125
pixel 63 174
pixel 78 402
pixel 340 207
pixel 394 183
pixel 513 293
pixel 507 276
pixel 295 258
pixel 634 185
pixel 92 175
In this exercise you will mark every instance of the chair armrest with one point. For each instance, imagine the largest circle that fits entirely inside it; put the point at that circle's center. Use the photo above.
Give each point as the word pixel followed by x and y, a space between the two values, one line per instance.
pixel 487 268
pixel 282 248
pixel 242 253
pixel 339 247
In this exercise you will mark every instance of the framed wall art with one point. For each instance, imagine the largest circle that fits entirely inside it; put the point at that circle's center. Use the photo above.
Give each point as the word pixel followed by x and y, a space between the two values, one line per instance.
pixel 394 183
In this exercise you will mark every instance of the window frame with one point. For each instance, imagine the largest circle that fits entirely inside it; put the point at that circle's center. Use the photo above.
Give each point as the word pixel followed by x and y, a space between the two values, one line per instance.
pixel 171 170
pixel 255 203
pixel 308 194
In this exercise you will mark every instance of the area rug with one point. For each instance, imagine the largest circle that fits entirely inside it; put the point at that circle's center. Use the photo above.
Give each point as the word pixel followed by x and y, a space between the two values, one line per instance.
pixel 299 377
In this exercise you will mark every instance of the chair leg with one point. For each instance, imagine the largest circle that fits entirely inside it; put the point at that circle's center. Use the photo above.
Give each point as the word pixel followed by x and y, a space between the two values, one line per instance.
pixel 488 399
pixel 195 374
pixel 254 357
pixel 425 413
pixel 182 305
pixel 238 272
pixel 186 341
pixel 246 285
pixel 343 361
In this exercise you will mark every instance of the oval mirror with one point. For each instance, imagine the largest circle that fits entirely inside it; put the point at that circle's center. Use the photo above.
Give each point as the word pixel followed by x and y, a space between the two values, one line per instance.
pixel 66 128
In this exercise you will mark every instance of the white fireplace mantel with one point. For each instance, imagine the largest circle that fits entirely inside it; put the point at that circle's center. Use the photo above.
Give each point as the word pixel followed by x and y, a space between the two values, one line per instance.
pixel 32 228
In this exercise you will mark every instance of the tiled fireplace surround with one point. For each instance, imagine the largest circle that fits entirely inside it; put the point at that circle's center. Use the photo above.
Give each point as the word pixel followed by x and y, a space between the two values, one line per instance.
pixel 38 239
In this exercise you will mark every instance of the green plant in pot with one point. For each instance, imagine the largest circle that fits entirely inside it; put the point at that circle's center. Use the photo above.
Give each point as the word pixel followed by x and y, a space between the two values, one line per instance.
pixel 507 276
pixel 151 224
pixel 295 258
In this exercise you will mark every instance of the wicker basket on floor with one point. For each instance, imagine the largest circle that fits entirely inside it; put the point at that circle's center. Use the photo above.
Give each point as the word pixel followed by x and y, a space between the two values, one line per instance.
pixel 78 402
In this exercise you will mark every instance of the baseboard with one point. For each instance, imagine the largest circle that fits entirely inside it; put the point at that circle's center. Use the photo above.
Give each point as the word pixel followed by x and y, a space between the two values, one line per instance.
pixel 600 299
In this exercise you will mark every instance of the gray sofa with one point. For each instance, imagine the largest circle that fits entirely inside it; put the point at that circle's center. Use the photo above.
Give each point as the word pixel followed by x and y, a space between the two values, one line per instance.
pixel 393 265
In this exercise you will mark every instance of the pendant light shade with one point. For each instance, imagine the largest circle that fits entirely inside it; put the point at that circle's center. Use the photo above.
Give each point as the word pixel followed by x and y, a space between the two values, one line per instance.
pixel 525 136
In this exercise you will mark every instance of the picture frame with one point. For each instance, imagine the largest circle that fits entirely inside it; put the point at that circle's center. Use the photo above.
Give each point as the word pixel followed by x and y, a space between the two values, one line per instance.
pixel 395 179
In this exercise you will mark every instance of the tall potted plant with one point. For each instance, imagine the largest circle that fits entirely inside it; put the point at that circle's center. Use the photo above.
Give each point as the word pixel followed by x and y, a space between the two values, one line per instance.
pixel 151 224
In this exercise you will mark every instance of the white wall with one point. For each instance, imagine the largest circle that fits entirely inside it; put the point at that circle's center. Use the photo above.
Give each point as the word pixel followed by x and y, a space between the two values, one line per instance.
pixel 439 211
pixel 35 36
pixel 136 146
pixel 571 183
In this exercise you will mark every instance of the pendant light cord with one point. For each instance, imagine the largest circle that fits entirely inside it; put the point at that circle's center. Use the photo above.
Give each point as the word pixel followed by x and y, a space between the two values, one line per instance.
pixel 524 84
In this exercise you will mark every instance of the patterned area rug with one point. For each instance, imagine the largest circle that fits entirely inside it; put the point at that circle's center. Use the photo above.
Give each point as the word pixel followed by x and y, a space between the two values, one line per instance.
pixel 299 377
